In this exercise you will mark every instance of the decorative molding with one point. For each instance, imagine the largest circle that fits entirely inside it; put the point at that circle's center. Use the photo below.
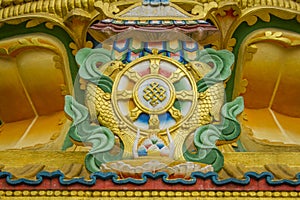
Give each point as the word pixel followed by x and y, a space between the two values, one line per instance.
pixel 26 42
pixel 187 10
pixel 277 36
pixel 250 50
pixel 13 47
pixel 231 15
pixel 153 194
pixel 76 16
pixel 60 8
pixel 248 137
pixel 96 179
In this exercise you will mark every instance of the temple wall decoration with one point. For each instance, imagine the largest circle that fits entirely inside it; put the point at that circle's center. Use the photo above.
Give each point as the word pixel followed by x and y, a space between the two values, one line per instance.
pixel 164 98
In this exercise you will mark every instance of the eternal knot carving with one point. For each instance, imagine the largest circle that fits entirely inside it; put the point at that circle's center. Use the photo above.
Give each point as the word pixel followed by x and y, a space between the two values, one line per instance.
pixel 154 93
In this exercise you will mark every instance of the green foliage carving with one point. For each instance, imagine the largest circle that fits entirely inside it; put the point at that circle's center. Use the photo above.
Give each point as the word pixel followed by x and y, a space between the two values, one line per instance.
pixel 220 61
pixel 205 137
pixel 230 127
pixel 91 61
pixel 100 138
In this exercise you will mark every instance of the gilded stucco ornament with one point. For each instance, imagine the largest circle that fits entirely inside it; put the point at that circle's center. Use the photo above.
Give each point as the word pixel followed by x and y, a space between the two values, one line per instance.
pixel 75 17
pixel 170 10
pixel 153 113
pixel 275 50
pixel 250 46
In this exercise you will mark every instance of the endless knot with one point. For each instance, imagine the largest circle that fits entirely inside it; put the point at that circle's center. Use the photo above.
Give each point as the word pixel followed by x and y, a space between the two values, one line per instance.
pixel 154 93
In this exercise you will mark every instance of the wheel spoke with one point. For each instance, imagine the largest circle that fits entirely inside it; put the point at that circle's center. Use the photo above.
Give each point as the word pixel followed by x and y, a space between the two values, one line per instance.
pixel 185 95
pixel 133 75
pixel 124 94
pixel 154 122
pixel 175 113
pixel 135 113
pixel 154 66
pixel 176 76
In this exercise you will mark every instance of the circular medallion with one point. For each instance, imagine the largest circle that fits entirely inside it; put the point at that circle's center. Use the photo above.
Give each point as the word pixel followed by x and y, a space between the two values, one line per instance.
pixel 154 92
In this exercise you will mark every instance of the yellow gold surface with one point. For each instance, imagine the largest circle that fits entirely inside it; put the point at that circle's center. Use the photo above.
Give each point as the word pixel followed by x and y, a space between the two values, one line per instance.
pixel 29 121
pixel 272 111
pixel 53 160
pixel 125 94
pixel 154 60
pixel 134 76
pixel 154 122
pixel 185 95
pixel 128 195
pixel 154 94
pixel 154 64
pixel 135 113
pixel 76 16
pixel 175 113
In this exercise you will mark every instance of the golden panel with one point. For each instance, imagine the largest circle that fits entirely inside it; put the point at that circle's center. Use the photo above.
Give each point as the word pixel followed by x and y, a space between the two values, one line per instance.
pixel 268 63
pixel 35 77
pixel 263 69
pixel 12 132
pixel 46 89
pixel 286 99
pixel 11 84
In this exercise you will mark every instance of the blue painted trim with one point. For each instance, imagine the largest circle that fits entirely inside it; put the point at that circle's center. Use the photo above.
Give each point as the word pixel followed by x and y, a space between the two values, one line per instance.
pixel 115 47
pixel 195 48
pixel 269 177
pixel 149 50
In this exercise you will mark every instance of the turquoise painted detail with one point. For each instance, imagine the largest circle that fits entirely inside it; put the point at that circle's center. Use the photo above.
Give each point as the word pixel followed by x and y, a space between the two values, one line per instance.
pixel 101 138
pixel 230 126
pixel 156 2
pixel 220 61
pixel 205 137
pixel 249 177
pixel 90 60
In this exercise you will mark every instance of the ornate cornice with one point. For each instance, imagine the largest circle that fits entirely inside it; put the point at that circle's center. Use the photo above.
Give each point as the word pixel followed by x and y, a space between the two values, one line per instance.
pixel 59 8
pixel 63 9
pixel 76 16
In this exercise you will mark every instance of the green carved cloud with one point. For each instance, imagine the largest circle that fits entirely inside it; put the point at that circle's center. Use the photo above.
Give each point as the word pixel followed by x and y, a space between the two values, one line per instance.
pixel 91 61
pixel 220 61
